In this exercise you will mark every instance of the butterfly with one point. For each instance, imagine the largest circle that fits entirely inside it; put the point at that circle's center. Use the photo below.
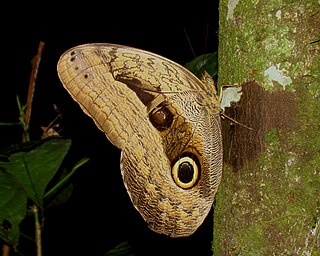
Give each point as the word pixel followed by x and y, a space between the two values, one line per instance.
pixel 166 122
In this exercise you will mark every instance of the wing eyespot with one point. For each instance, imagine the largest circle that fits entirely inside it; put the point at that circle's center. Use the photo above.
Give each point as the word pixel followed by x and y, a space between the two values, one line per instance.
pixel 186 171
pixel 161 118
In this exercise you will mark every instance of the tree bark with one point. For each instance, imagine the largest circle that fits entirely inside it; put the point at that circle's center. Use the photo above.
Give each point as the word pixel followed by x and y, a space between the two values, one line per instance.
pixel 269 199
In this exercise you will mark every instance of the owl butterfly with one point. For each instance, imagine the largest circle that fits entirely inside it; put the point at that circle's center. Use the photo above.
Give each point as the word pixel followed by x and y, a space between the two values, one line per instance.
pixel 166 123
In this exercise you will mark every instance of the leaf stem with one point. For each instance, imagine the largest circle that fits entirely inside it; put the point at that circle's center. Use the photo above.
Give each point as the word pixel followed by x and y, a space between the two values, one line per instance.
pixel 38 230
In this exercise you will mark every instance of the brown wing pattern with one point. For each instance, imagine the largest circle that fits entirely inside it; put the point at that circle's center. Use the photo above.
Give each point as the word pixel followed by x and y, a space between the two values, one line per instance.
pixel 165 120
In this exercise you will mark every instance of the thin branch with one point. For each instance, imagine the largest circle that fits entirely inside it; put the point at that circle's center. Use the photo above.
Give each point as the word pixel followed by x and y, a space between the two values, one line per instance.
pixel 32 82
pixel 5 250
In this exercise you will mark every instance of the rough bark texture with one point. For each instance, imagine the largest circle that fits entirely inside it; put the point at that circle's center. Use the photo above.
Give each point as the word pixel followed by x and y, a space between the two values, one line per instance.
pixel 269 199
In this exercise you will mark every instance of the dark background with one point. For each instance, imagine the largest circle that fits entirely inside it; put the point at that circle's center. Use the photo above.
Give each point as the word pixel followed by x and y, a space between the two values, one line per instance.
pixel 99 214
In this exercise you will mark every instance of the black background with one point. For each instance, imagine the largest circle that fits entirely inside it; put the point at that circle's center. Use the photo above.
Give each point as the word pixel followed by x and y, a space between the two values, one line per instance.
pixel 99 214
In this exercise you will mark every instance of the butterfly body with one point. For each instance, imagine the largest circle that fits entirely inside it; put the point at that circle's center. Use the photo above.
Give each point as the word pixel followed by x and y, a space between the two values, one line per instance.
pixel 165 121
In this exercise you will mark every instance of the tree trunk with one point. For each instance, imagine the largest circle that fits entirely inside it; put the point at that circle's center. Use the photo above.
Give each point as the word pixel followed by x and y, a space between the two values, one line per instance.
pixel 269 199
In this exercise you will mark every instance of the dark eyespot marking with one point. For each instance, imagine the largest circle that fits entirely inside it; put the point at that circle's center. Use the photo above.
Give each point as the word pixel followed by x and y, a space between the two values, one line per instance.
pixel 186 171
pixel 161 118
pixel 73 55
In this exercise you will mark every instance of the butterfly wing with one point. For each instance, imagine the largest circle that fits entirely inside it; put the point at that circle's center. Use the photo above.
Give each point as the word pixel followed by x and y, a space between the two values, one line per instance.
pixel 162 118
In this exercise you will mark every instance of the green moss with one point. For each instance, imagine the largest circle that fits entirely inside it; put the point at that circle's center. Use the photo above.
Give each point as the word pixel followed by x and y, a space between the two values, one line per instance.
pixel 257 244
pixel 272 207
pixel 275 200
pixel 272 137
pixel 253 50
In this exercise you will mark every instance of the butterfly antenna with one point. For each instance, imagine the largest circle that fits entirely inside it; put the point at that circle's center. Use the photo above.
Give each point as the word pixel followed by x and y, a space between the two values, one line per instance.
pixel 234 121
pixel 188 39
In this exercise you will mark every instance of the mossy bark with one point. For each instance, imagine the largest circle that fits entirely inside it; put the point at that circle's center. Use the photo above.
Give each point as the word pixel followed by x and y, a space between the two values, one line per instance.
pixel 269 199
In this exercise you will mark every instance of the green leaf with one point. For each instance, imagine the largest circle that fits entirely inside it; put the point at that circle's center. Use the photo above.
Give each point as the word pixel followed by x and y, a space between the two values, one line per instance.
pixel 34 169
pixel 207 62
pixel 13 208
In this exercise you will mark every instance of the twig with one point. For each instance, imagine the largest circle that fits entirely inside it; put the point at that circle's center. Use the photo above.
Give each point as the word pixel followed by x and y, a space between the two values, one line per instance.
pixel 5 250
pixel 32 82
